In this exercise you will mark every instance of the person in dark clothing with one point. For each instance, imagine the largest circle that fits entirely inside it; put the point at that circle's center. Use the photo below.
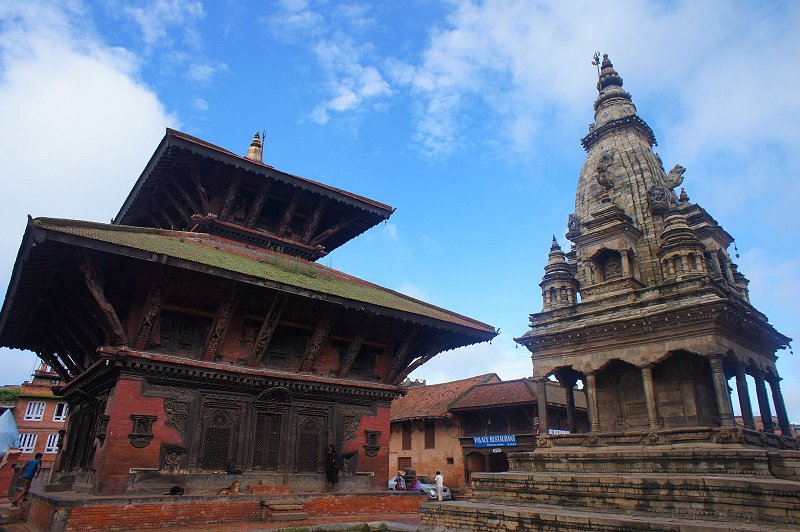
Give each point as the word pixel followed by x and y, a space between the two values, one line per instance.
pixel 29 472
pixel 333 464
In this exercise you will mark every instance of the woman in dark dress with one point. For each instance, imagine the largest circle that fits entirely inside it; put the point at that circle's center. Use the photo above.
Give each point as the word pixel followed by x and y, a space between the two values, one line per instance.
pixel 333 464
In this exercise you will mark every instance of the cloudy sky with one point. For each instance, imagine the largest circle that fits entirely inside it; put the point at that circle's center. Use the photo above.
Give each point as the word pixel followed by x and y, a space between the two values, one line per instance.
pixel 466 116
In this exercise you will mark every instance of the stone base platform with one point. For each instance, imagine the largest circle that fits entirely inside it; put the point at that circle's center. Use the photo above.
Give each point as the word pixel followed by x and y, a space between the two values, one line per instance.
pixel 715 484
pixel 482 515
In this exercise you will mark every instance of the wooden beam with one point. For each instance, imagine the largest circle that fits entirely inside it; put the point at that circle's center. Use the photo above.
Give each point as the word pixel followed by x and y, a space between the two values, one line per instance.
pixel 84 351
pixel 153 219
pixel 288 214
pixel 268 327
pixel 155 300
pixel 400 354
pixel 221 323
pixel 258 203
pixel 80 298
pixel 318 338
pixel 163 213
pixel 68 311
pixel 201 191
pixel 355 345
pixel 178 207
pixel 335 229
pixel 64 355
pixel 186 197
pixel 54 363
pixel 429 354
pixel 313 222
pixel 230 196
pixel 94 282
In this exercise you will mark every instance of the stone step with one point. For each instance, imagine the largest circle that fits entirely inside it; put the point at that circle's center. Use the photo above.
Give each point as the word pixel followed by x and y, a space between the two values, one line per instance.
pixel 285 507
pixel 287 516
pixel 481 516
pixel 724 497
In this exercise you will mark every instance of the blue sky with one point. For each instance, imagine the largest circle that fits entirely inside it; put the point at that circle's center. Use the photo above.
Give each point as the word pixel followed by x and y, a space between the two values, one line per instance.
pixel 465 116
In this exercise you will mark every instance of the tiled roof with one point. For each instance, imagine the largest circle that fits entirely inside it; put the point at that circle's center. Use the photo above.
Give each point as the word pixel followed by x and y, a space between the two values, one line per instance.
pixel 202 143
pixel 220 253
pixel 433 400
pixel 520 391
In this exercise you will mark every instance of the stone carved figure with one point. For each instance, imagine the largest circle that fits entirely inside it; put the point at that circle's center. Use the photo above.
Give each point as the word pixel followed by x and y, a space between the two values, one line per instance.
pixel 675 176
pixel 177 414
pixel 574 224
pixel 604 169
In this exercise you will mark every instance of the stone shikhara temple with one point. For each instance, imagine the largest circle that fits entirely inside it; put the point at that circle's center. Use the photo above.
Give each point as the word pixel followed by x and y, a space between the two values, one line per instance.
pixel 663 322
pixel 196 333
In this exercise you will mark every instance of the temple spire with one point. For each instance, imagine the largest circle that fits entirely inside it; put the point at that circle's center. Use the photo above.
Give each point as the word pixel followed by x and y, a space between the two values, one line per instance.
pixel 255 151
pixel 608 76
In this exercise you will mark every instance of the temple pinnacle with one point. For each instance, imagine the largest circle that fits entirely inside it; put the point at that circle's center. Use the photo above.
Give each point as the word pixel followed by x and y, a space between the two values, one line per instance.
pixel 608 76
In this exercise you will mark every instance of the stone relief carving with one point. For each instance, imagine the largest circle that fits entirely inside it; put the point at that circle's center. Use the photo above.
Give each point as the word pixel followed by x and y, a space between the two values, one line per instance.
pixel 659 198
pixel 351 424
pixel 574 224
pixel 177 414
pixel 173 457
pixel 142 431
pixel 371 445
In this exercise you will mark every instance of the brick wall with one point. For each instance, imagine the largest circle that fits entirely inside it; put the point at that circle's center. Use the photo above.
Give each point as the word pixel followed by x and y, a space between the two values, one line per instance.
pixel 128 514
pixel 117 455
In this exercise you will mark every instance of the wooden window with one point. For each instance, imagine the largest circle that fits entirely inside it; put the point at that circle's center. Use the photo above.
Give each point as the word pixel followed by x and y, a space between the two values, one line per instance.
pixel 183 333
pixel 267 441
pixel 286 349
pixel 216 442
pixel 309 444
pixel 403 463
pixel 406 437
pixel 450 460
pixel 60 413
pixel 34 411
pixel 52 443
pixel 430 435
pixel 364 364
pixel 27 442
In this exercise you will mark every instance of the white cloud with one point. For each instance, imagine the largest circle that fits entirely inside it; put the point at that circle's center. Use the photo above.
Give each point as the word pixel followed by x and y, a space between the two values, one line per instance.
pixel 204 72
pixel 155 18
pixel 77 124
pixel 351 84
pixel 200 104
pixel 499 357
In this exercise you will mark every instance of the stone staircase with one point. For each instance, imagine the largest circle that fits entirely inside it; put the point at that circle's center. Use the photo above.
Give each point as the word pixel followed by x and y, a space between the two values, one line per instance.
pixel 283 511
pixel 642 489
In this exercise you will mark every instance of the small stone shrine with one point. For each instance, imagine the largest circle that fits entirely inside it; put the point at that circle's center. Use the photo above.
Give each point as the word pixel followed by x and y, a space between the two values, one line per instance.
pixel 650 313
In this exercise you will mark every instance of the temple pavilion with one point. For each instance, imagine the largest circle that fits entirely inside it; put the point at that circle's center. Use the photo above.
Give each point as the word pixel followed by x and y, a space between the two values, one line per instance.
pixel 196 334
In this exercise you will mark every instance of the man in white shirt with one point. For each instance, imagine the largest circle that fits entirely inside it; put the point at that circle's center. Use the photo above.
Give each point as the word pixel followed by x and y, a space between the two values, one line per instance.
pixel 439 484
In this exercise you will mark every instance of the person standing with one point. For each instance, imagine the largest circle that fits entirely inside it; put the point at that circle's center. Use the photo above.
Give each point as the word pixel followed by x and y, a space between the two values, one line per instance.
pixel 439 484
pixel 29 472
pixel 333 464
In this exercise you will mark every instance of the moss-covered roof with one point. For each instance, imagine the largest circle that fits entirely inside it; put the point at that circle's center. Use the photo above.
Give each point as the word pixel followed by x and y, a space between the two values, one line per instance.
pixel 258 263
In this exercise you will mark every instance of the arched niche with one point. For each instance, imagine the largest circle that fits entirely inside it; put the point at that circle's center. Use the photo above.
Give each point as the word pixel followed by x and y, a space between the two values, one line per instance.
pixel 684 390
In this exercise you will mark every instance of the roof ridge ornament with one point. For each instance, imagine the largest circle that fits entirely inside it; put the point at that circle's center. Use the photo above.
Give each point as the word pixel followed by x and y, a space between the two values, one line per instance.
pixel 256 150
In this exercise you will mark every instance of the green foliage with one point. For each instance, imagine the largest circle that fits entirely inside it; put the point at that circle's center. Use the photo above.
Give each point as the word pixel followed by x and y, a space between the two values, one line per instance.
pixel 9 394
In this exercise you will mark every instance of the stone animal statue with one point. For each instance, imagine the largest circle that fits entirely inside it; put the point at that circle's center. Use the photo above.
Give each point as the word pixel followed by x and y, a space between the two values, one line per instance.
pixel 175 490
pixel 233 489
pixel 675 176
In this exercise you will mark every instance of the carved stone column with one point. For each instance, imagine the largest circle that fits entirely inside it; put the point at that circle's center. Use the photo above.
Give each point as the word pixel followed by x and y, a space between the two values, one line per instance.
pixel 541 399
pixel 626 265
pixel 591 401
pixel 763 402
pixel 780 405
pixel 568 379
pixel 744 396
pixel 650 397
pixel 721 390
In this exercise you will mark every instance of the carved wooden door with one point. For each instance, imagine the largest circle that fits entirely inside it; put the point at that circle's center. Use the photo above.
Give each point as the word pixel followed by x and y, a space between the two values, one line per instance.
pixel 266 448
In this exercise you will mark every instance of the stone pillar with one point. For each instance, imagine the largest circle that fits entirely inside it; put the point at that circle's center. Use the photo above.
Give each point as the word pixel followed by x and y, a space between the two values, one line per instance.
pixel 744 396
pixel 780 405
pixel 685 263
pixel 591 401
pixel 715 266
pixel 650 397
pixel 626 265
pixel 568 379
pixel 763 402
pixel 541 399
pixel 721 390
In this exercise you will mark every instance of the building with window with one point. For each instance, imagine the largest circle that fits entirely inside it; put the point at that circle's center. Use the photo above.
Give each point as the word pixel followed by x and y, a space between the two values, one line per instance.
pixel 470 425
pixel 41 417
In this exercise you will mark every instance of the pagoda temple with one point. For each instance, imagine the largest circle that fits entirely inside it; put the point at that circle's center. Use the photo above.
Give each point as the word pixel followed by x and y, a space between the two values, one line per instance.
pixel 195 334
pixel 649 312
